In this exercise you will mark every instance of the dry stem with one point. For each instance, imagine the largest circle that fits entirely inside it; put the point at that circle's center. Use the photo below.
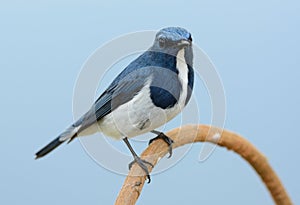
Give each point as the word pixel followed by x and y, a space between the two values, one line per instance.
pixel 135 180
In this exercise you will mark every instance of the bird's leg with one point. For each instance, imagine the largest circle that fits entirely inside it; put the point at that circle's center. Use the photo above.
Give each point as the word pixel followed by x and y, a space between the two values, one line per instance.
pixel 165 138
pixel 136 159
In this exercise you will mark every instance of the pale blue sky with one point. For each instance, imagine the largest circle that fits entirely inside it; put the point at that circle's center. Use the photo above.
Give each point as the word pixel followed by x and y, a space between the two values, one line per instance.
pixel 254 45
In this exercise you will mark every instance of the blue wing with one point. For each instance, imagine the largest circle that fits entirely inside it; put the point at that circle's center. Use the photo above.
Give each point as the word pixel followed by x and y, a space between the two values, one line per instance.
pixel 117 94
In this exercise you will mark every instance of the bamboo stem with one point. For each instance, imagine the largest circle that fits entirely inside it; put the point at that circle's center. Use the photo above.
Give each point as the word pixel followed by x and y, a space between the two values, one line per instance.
pixel 135 180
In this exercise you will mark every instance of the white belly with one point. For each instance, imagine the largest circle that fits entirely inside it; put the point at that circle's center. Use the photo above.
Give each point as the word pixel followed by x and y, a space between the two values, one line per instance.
pixel 139 115
pixel 134 118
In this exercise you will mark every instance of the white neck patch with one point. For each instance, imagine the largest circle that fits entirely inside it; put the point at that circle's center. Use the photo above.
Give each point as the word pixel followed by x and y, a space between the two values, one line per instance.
pixel 183 76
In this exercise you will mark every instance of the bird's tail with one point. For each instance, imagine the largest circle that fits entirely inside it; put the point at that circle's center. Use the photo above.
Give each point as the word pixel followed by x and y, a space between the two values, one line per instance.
pixel 68 135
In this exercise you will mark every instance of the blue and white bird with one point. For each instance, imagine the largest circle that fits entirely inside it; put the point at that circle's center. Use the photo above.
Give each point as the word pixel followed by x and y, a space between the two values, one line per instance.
pixel 148 93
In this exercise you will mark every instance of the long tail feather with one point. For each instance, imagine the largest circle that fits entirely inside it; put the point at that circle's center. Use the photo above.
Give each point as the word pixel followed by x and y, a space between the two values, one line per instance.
pixel 70 133
pixel 48 148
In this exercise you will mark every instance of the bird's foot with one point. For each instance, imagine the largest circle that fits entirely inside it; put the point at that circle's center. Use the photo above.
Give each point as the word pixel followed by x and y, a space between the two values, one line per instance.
pixel 166 139
pixel 143 164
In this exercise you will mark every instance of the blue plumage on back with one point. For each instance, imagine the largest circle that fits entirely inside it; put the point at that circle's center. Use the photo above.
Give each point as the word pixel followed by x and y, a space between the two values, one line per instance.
pixel 165 87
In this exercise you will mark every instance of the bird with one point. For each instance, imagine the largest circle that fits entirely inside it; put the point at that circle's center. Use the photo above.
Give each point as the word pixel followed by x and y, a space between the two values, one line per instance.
pixel 148 92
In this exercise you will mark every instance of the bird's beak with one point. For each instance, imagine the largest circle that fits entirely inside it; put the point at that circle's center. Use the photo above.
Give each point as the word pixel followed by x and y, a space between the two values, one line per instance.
pixel 184 43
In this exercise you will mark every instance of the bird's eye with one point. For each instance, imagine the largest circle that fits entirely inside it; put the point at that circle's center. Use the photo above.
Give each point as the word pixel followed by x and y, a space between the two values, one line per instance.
pixel 162 42
pixel 190 38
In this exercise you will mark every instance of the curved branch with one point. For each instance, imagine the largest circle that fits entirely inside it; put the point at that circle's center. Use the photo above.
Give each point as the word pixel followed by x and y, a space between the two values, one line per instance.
pixel 135 180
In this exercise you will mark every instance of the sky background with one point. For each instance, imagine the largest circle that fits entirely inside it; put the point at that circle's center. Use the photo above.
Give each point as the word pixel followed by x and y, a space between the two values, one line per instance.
pixel 43 45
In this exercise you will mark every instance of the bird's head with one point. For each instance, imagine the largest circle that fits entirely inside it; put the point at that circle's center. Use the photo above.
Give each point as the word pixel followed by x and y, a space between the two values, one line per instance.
pixel 172 39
